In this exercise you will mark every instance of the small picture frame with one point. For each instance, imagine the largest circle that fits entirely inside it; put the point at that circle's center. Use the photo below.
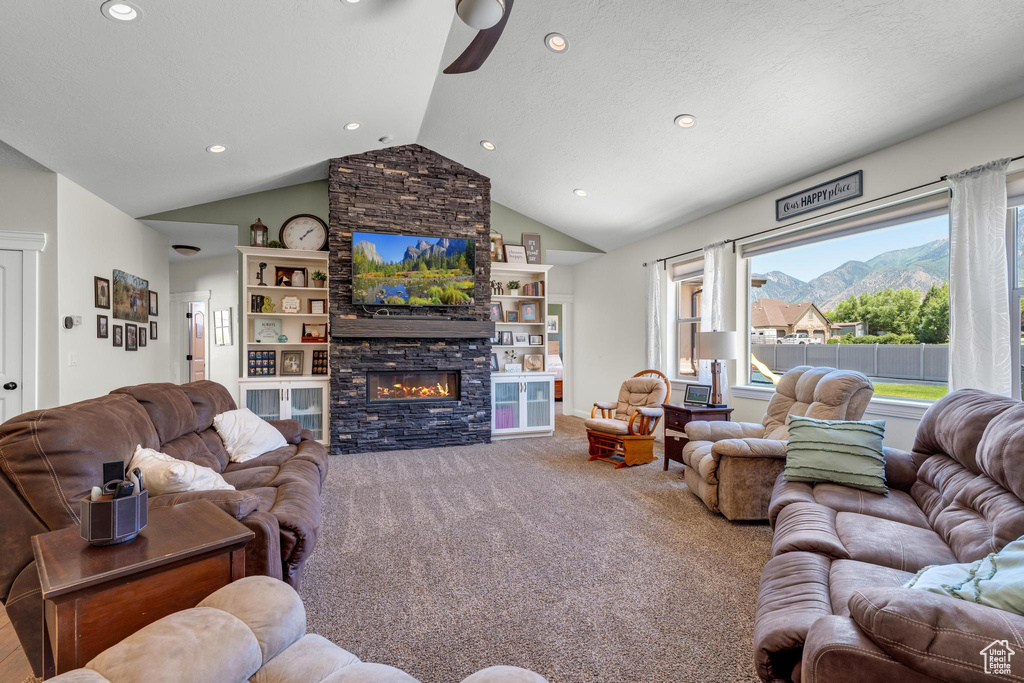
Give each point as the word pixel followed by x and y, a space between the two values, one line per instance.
pixel 497 248
pixel 131 337
pixel 101 292
pixel 320 362
pixel 529 312
pixel 494 362
pixel 697 395
pixel 317 306
pixel 102 329
pixel 533 362
pixel 154 304
pixel 506 339
pixel 515 253
pixel 291 304
pixel 262 363
pixel 118 335
pixel 292 362
pixel 497 314
pixel 496 339
pixel 142 335
pixel 152 330
pixel 552 324
pixel 511 316
pixel 536 340
pixel 521 339
pixel 513 367
pixel 531 242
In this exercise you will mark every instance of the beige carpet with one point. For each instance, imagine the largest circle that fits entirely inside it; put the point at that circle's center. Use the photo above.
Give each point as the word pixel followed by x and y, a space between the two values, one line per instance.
pixel 521 552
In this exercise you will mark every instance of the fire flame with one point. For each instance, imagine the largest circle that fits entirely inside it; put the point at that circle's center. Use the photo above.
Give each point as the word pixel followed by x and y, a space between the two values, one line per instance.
pixel 400 391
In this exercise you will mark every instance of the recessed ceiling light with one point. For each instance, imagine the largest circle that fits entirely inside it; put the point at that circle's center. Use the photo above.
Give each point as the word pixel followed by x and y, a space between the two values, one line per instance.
pixel 118 10
pixel 686 120
pixel 556 42
pixel 352 126
pixel 350 2
pixel 216 149
pixel 488 145
pixel 580 192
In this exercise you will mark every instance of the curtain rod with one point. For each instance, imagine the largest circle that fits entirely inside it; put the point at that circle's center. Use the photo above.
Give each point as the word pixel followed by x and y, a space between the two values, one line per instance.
pixel 664 260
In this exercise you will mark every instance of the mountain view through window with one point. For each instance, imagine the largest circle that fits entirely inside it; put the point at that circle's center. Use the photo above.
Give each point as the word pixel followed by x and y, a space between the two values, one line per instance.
pixel 877 302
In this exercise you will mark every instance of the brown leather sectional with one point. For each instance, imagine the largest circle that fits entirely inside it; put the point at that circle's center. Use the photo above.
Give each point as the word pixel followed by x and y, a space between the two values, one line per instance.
pixel 831 606
pixel 50 459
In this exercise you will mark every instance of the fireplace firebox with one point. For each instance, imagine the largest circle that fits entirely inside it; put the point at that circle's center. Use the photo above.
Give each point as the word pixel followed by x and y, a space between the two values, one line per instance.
pixel 426 385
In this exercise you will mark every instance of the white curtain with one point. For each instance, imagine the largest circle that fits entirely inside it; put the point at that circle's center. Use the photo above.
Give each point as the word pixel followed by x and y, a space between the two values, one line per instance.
pixel 712 305
pixel 653 315
pixel 979 334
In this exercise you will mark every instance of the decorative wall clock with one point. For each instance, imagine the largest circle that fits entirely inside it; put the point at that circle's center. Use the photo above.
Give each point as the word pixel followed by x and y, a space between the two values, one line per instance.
pixel 304 231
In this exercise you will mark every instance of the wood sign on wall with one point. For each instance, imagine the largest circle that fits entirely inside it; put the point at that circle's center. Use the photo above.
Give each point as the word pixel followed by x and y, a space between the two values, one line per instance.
pixel 825 194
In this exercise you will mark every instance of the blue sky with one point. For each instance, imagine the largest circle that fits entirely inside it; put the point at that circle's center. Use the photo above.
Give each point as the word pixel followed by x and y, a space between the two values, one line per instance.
pixel 810 261
pixel 391 247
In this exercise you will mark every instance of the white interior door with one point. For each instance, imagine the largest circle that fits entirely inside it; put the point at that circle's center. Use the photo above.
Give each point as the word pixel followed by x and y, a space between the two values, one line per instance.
pixel 11 321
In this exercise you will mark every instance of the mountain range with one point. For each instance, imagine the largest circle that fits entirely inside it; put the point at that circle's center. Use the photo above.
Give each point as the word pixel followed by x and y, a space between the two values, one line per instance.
pixel 914 267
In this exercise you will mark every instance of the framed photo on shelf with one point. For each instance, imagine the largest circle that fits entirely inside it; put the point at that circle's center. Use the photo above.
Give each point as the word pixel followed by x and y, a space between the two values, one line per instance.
pixel 101 327
pixel 497 248
pixel 319 362
pixel 697 395
pixel 513 367
pixel 494 362
pixel 497 315
pixel 118 335
pixel 291 362
pixel 101 292
pixel 531 242
pixel 511 316
pixel 506 339
pixel 529 312
pixel 262 363
pixel 533 362
pixel 317 306
pixel 515 253
pixel 521 339
pixel 536 340
pixel 496 339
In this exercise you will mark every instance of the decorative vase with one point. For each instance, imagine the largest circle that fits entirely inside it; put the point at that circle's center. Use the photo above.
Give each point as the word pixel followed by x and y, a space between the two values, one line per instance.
pixel 319 284
pixel 298 279
pixel 513 292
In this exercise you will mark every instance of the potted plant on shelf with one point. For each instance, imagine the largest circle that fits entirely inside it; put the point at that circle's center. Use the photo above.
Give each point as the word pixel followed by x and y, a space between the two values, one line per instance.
pixel 274 244
pixel 319 278
pixel 513 288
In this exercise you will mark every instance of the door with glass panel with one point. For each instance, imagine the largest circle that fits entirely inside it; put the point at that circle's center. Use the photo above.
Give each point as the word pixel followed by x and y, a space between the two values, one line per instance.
pixel 307 403
pixel 264 400
pixel 506 408
pixel 538 397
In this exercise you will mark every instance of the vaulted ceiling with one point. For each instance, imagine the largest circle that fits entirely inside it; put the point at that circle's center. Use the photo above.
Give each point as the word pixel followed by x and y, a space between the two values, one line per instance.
pixel 781 90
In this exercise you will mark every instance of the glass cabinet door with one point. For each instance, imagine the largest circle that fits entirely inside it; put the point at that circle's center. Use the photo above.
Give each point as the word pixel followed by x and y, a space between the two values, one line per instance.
pixel 264 402
pixel 307 406
pixel 506 404
pixel 538 403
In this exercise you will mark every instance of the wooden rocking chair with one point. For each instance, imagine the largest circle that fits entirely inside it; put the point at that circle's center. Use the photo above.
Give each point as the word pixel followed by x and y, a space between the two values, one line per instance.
pixel 624 433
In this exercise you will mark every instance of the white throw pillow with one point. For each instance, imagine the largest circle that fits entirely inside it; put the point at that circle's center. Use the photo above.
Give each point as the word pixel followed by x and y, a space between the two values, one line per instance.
pixel 246 435
pixel 162 473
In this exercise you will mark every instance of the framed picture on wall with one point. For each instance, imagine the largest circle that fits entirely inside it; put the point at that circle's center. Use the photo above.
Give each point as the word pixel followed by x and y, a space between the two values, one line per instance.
pixel 152 330
pixel 101 327
pixel 531 242
pixel 142 335
pixel 154 304
pixel 552 324
pixel 118 335
pixel 131 337
pixel 101 292
pixel 131 297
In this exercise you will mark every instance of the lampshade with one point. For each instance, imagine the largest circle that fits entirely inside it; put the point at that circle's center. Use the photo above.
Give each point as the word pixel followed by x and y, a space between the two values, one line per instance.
pixel 717 345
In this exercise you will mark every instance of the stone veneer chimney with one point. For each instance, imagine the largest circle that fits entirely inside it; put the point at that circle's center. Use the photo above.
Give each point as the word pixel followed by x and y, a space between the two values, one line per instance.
pixel 414 191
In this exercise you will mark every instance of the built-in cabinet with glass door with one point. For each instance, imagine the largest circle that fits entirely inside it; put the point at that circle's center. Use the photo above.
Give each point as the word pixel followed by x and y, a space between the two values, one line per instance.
pixel 522 404
pixel 304 401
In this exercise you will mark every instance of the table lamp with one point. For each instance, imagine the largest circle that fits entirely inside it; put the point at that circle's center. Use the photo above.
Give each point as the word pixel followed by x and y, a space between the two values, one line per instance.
pixel 716 347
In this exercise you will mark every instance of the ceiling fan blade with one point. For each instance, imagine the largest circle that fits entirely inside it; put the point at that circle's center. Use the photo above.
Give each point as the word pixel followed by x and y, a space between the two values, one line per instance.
pixel 476 54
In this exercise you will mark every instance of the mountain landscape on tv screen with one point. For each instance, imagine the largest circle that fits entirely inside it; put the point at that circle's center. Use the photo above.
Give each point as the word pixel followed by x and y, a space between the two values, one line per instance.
pixel 407 270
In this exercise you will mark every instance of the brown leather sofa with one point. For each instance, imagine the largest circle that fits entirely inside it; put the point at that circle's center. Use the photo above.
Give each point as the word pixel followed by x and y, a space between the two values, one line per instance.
pixel 50 459
pixel 732 466
pixel 831 606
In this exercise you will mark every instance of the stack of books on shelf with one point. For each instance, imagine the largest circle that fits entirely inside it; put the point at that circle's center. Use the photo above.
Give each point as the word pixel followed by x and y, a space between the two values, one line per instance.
pixel 532 289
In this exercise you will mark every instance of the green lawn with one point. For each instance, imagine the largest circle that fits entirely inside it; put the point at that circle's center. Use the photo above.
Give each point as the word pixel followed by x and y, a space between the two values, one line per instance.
pixel 928 392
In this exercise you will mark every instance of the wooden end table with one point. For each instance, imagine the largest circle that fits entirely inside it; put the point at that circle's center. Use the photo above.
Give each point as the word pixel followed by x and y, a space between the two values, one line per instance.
pixel 676 417
pixel 93 598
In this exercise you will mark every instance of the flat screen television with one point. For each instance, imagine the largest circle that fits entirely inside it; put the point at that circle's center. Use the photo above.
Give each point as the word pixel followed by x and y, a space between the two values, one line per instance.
pixel 412 270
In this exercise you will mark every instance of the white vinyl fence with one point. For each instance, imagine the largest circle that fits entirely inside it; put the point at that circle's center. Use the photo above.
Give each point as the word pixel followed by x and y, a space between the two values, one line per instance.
pixel 926 362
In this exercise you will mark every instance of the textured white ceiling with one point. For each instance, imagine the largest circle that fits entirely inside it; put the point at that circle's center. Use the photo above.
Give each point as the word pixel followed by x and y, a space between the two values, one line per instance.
pixel 781 90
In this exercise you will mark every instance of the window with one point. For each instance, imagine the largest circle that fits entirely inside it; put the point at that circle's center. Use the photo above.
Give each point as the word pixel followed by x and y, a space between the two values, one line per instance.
pixel 687 325
pixel 868 295
pixel 1016 244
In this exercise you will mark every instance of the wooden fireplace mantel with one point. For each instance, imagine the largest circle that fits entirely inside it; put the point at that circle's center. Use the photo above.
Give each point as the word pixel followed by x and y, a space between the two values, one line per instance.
pixel 427 328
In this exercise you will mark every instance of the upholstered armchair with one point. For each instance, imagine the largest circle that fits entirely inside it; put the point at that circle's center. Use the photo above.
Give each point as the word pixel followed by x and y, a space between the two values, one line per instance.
pixel 625 428
pixel 732 466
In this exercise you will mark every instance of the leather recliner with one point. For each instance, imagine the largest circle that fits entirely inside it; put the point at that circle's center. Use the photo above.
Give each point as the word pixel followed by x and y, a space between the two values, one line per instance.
pixel 732 466
pixel 50 459
pixel 832 605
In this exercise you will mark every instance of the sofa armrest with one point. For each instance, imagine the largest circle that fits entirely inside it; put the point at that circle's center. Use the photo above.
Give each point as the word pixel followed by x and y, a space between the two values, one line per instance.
pixel 900 470
pixel 749 448
pixel 699 430
pixel 291 430
pixel 238 504
pixel 835 648
pixel 930 633
pixel 307 435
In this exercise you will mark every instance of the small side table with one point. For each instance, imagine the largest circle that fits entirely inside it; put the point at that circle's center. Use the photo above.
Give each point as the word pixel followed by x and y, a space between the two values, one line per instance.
pixel 93 598
pixel 676 417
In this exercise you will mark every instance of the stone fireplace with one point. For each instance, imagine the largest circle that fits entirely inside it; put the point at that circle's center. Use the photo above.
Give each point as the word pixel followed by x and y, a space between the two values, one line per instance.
pixel 440 360
pixel 389 386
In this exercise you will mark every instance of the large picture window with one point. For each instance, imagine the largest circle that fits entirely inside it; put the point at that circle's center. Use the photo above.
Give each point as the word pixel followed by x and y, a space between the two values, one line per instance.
pixel 872 300
pixel 687 326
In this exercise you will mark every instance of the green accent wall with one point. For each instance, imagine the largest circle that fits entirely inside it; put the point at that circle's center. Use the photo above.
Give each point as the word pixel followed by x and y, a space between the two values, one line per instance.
pixel 511 225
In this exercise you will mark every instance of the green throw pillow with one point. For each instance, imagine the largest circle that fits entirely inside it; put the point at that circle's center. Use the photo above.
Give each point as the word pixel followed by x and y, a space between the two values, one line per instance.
pixel 847 452
pixel 994 580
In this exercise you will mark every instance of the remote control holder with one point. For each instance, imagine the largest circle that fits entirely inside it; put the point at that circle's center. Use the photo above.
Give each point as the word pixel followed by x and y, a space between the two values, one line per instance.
pixel 113 521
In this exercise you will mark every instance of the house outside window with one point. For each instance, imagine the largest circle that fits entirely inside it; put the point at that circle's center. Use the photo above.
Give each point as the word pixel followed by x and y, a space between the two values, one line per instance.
pixel 870 295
